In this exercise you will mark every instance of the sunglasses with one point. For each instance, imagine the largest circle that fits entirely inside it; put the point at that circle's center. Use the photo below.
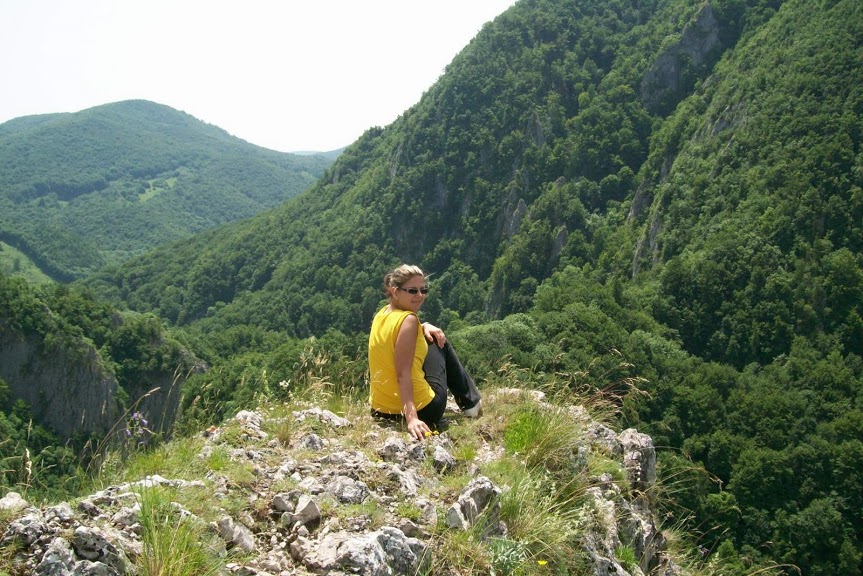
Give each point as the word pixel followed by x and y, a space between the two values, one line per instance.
pixel 415 291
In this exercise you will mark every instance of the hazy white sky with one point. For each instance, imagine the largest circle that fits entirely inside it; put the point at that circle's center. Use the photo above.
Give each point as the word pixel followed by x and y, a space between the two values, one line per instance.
pixel 289 75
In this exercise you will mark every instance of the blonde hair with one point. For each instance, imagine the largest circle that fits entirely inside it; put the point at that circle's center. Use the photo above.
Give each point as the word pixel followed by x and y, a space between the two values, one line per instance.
pixel 397 277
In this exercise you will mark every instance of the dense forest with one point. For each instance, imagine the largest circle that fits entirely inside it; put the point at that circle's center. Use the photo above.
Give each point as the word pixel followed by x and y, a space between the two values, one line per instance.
pixel 660 196
pixel 82 190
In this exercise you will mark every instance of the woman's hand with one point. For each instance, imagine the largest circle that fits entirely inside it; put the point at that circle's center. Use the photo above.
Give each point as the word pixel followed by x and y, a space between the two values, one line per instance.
pixel 434 334
pixel 418 429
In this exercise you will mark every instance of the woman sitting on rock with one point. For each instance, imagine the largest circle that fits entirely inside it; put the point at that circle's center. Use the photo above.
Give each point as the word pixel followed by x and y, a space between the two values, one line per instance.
pixel 410 378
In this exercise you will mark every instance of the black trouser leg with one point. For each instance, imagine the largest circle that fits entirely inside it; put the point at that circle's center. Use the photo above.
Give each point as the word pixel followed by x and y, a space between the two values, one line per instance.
pixel 432 412
pixel 444 371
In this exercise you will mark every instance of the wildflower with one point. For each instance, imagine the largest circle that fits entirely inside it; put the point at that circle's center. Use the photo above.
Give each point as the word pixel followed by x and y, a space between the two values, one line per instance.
pixel 542 562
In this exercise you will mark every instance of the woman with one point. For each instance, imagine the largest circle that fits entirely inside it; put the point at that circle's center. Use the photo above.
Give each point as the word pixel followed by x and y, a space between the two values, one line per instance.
pixel 409 377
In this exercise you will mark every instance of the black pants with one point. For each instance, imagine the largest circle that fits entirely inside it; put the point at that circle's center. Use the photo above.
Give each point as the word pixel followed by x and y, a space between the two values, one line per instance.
pixel 444 373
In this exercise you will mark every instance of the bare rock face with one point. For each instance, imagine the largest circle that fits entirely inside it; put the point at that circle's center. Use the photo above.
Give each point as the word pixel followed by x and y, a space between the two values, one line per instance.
pixel 12 501
pixel 480 496
pixel 384 552
pixel 670 76
pixel 442 460
pixel 94 545
pixel 639 459
pixel 71 391
pixel 27 529
pixel 58 559
pixel 60 388
pixel 348 491
pixel 307 512
pixel 235 534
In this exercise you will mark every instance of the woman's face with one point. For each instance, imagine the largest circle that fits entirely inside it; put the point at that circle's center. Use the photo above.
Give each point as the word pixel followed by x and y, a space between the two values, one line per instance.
pixel 404 299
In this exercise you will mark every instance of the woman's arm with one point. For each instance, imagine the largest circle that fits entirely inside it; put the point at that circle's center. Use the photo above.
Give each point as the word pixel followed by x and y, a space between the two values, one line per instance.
pixel 406 343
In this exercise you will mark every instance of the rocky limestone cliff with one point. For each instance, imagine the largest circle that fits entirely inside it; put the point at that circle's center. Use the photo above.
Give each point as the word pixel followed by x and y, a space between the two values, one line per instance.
pixel 328 500
pixel 66 386
pixel 70 390
pixel 670 76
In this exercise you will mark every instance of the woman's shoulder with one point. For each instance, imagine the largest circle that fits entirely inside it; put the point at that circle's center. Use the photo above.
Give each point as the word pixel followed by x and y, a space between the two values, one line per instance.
pixel 386 312
pixel 409 317
pixel 388 317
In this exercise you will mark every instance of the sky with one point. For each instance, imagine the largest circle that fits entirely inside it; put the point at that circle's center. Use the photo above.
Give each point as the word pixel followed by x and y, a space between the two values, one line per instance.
pixel 289 75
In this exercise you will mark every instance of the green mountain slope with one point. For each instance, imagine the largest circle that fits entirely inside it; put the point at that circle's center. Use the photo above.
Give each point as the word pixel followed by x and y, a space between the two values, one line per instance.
pixel 78 191
pixel 528 147
pixel 605 191
pixel 761 211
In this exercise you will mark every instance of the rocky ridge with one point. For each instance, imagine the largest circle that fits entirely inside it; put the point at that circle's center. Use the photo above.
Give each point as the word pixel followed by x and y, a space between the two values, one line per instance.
pixel 319 503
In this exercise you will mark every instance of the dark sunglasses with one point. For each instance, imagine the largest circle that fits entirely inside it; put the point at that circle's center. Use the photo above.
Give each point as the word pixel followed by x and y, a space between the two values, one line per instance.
pixel 415 291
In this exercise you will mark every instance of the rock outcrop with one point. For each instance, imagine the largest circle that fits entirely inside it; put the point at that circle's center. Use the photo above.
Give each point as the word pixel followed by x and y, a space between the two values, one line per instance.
pixel 70 389
pixel 670 76
pixel 342 510
pixel 67 388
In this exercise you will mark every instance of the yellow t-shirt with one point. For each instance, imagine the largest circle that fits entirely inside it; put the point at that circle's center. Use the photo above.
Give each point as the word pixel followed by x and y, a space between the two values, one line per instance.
pixel 384 393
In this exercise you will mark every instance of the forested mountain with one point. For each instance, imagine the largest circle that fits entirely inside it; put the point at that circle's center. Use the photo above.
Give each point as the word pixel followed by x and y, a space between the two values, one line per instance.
pixel 78 191
pixel 666 193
